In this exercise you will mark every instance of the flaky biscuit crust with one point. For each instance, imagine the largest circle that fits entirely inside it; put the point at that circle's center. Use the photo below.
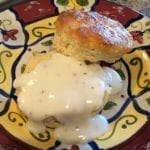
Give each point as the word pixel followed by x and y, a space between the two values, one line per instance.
pixel 91 36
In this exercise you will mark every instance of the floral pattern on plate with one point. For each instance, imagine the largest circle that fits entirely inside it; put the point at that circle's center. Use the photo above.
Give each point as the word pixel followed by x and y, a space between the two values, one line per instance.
pixel 11 30
pixel 22 36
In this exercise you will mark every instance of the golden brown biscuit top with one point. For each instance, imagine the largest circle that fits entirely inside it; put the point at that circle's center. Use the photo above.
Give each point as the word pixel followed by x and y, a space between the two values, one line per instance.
pixel 99 27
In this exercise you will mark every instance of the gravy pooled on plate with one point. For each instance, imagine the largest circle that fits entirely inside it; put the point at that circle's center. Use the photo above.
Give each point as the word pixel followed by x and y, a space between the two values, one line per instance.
pixel 68 90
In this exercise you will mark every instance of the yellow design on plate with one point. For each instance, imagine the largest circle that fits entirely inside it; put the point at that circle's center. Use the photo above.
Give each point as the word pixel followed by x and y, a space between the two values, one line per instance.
pixel 122 128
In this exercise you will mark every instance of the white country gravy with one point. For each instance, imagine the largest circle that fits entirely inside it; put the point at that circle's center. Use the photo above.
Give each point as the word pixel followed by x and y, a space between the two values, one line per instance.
pixel 71 92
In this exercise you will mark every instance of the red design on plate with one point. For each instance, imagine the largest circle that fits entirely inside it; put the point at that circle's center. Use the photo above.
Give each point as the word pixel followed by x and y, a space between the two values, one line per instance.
pixel 10 34
pixel 115 11
pixel 75 147
pixel 35 10
pixel 137 36
pixel 6 142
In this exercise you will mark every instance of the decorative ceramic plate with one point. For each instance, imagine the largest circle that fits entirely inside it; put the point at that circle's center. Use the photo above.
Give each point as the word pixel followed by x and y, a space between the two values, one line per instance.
pixel 28 28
